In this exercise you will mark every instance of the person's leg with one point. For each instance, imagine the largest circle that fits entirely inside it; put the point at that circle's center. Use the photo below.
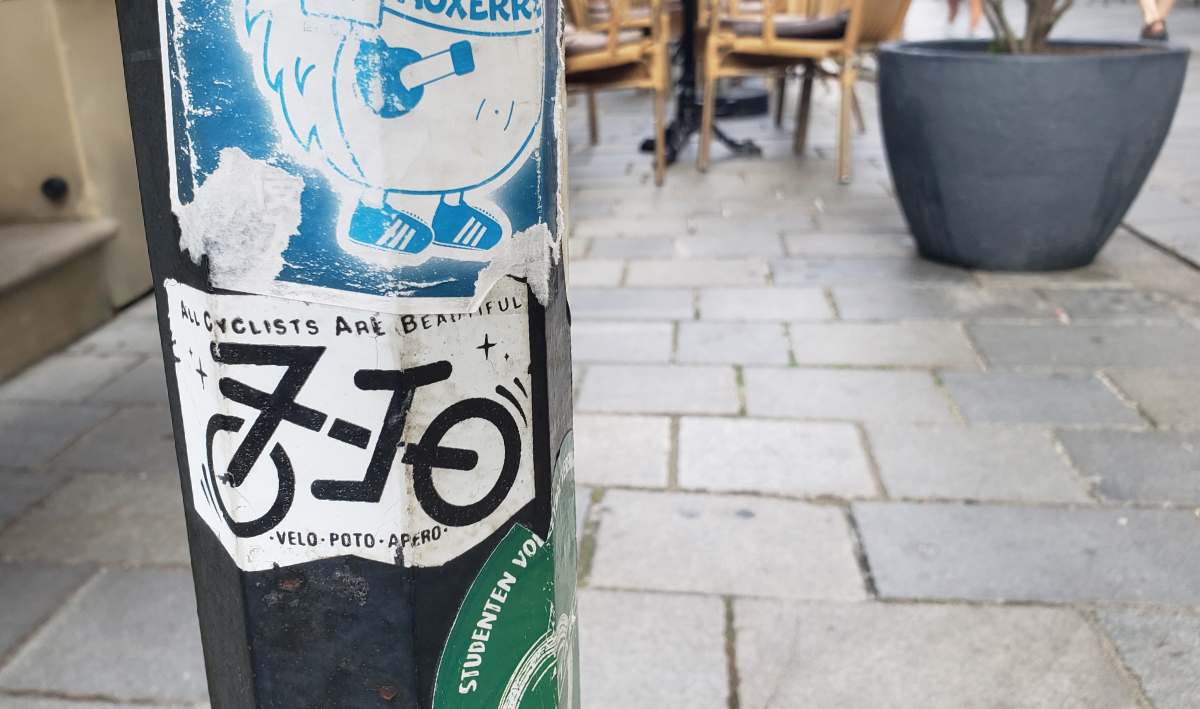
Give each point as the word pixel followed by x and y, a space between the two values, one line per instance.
pixel 1154 21
pixel 953 11
pixel 1149 11
pixel 1164 7
pixel 976 13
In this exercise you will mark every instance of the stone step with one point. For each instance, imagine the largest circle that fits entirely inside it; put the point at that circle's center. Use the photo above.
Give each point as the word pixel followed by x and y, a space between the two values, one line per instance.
pixel 52 287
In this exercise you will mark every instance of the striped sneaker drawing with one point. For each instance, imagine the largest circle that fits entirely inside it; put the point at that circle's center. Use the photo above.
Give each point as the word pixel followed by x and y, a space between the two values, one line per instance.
pixel 389 229
pixel 461 226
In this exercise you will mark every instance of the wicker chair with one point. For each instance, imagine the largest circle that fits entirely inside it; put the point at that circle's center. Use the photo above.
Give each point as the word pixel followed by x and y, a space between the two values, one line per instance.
pixel 791 33
pixel 609 45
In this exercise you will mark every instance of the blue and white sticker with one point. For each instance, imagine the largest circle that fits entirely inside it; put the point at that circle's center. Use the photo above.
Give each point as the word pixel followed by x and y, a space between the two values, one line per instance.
pixel 378 154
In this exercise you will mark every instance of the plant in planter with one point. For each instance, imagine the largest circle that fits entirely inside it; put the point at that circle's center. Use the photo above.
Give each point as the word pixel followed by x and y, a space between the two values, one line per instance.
pixel 1023 153
pixel 1039 20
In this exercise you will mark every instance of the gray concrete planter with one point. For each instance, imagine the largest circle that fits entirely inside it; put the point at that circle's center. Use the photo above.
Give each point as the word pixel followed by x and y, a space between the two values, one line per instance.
pixel 1023 162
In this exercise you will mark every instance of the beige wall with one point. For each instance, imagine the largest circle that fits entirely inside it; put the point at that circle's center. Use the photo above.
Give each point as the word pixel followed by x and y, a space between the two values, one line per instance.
pixel 63 113
pixel 37 131
pixel 92 53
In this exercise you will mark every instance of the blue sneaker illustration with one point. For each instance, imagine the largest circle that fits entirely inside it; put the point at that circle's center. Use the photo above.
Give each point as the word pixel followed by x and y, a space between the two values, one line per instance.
pixel 389 229
pixel 461 226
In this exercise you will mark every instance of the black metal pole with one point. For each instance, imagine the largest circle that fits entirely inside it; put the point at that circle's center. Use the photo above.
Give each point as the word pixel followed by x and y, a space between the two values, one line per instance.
pixel 353 223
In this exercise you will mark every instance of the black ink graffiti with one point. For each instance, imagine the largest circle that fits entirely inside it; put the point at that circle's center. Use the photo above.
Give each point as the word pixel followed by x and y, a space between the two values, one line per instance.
pixel 283 468
pixel 278 406
pixel 403 384
pixel 429 454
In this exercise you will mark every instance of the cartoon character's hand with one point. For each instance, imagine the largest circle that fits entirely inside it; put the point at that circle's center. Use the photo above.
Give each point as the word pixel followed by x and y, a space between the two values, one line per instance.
pixel 391 80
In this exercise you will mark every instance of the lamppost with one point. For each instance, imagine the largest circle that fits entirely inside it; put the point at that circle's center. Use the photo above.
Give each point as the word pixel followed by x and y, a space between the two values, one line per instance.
pixel 354 216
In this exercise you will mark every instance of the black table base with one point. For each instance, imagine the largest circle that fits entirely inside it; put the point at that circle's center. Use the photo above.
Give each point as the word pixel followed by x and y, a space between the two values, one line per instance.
pixel 687 123
pixel 688 111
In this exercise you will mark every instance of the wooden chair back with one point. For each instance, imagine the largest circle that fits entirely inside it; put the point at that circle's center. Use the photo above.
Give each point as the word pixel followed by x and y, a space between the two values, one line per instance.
pixel 882 20
pixel 577 13
pixel 871 21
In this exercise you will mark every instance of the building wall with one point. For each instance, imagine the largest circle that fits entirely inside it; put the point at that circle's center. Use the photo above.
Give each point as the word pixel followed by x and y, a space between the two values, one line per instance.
pixel 38 137
pixel 92 59
pixel 63 113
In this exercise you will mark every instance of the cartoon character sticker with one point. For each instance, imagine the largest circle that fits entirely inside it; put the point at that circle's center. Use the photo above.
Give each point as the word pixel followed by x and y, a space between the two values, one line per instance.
pixel 357 152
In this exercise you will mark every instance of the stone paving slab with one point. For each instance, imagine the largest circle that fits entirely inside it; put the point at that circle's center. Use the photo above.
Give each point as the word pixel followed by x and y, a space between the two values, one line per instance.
pixel 1169 397
pixel 858 223
pixel 583 503
pixel 1050 554
pixel 622 450
pixel 835 271
pixel 144 384
pixel 127 635
pixel 1097 274
pixel 759 225
pixel 696 273
pixel 1154 206
pixel 103 518
pixel 137 439
pixel 721 246
pixel 31 592
pixel 31 433
pixel 652 651
pixel 731 343
pixel 596 273
pixel 125 334
pixel 19 489
pixel 632 247
pixel 764 304
pixel 1144 466
pixel 1120 305
pixel 897 302
pixel 1087 346
pixel 1179 237
pixel 67 378
pixel 651 390
pixel 622 342
pixel 1022 397
pixel 1013 464
pixel 1162 649
pixel 724 544
pixel 810 245
pixel 881 344
pixel 17 702
pixel 834 656
pixel 780 457
pixel 643 304
pixel 847 395
pixel 624 226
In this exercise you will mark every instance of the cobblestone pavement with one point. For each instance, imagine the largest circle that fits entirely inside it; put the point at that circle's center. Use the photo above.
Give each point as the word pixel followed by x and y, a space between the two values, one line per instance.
pixel 814 470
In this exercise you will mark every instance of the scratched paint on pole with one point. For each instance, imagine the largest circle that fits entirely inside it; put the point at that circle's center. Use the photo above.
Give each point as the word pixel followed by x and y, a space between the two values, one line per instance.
pixel 378 154
pixel 315 431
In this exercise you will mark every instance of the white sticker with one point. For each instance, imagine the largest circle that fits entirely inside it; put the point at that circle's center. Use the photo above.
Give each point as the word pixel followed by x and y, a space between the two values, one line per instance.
pixel 314 431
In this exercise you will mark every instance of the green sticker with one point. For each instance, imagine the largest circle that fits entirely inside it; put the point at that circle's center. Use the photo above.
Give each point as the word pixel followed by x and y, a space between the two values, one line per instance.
pixel 500 653
pixel 508 641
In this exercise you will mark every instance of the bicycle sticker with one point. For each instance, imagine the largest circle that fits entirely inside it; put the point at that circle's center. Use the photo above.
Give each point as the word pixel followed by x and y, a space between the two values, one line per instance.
pixel 315 431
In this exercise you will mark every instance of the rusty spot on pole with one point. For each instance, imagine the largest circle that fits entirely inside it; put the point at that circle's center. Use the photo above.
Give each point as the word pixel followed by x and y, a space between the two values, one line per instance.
pixel 386 691
pixel 289 584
